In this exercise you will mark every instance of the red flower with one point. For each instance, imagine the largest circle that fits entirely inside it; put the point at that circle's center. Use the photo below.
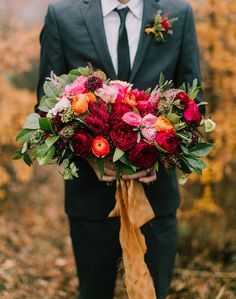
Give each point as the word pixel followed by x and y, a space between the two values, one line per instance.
pixel 82 142
pixel 168 141
pixel 192 114
pixel 140 95
pixel 165 24
pixel 123 136
pixel 100 147
pixel 117 112
pixel 145 107
pixel 183 97
pixel 143 155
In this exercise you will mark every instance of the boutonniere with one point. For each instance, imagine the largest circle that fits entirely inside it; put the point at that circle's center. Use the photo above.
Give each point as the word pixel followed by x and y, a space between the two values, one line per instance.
pixel 160 26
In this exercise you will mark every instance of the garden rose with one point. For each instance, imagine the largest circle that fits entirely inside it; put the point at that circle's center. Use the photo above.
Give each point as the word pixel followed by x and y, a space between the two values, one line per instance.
pixel 123 136
pixel 168 141
pixel 143 155
pixel 107 93
pixel 77 87
pixel 82 142
pixel 117 112
pixel 100 147
pixel 192 114
pixel 183 97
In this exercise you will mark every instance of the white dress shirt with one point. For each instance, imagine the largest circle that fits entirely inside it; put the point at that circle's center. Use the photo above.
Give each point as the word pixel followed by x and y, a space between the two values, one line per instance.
pixel 133 24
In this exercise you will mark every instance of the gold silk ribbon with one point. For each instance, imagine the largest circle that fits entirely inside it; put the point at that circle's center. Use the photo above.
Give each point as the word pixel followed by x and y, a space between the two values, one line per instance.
pixel 134 210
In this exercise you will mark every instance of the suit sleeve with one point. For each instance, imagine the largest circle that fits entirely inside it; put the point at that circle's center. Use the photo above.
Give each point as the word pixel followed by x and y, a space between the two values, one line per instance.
pixel 188 66
pixel 51 57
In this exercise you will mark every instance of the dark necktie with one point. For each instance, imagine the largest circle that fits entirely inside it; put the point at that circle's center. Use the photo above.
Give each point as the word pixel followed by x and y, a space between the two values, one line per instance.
pixel 123 47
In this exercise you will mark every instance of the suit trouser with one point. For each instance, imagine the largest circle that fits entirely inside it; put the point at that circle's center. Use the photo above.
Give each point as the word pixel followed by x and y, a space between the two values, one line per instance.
pixel 97 252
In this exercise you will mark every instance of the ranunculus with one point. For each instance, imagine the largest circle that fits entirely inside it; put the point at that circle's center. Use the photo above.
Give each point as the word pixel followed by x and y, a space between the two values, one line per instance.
pixel 80 104
pixel 132 119
pixel 148 130
pixel 90 97
pixel 162 124
pixel 77 86
pixel 82 142
pixel 100 147
pixel 143 155
pixel 183 97
pixel 130 100
pixel 107 93
pixel 168 141
pixel 192 114
pixel 165 24
pixel 123 136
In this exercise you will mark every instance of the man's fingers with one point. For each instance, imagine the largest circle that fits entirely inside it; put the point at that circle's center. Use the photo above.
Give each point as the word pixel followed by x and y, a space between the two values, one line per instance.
pixel 148 179
pixel 109 172
pixel 137 175
pixel 108 179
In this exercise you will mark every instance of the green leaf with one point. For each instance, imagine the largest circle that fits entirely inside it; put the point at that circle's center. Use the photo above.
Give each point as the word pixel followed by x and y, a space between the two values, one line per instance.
pixel 72 77
pixel 24 135
pixel 183 87
pixel 18 155
pixel 117 154
pixel 161 79
pixel 156 166
pixel 66 163
pixel 196 163
pixel 50 89
pixel 184 165
pixel 51 140
pixel 48 158
pixel 184 149
pixel 183 180
pixel 173 118
pixel 100 162
pixel 46 124
pixel 148 90
pixel 32 121
pixel 40 151
pixel 127 169
pixel 47 103
pixel 27 159
pixel 210 125
pixel 24 148
pixel 160 149
pixel 202 149
pixel 118 171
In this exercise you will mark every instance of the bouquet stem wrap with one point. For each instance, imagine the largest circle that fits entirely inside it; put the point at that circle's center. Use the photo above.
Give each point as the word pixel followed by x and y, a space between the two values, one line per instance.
pixel 134 210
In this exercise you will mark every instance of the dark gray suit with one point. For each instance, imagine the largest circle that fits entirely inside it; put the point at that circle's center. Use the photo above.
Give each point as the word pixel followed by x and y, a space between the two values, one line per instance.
pixel 74 35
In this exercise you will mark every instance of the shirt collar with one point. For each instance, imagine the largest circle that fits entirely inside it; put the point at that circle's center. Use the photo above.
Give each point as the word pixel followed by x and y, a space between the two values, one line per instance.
pixel 135 6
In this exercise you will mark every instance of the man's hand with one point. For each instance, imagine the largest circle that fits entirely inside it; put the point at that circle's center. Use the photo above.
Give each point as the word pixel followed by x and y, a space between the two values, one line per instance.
pixel 146 176
pixel 109 170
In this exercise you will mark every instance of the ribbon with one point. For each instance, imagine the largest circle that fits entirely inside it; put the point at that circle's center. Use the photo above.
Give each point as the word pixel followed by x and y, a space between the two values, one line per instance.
pixel 134 210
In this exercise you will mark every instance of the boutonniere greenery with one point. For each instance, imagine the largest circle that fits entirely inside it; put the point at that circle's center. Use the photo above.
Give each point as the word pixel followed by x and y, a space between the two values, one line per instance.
pixel 160 26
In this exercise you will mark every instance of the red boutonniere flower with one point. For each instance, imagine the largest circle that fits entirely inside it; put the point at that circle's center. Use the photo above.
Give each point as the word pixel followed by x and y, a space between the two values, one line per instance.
pixel 160 26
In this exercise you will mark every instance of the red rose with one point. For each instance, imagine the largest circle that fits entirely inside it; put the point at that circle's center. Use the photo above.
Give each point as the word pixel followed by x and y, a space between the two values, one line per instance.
pixel 82 142
pixel 168 141
pixel 192 114
pixel 165 24
pixel 123 136
pixel 183 97
pixel 143 155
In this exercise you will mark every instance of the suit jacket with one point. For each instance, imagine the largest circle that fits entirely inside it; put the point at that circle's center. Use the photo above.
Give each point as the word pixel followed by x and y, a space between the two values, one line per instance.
pixel 74 35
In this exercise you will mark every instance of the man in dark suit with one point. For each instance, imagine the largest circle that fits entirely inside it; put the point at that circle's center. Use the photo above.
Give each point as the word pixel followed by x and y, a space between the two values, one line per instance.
pixel 111 35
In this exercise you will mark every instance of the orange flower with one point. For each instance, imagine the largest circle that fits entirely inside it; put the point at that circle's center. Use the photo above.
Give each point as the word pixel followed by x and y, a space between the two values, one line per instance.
pixel 150 30
pixel 162 124
pixel 100 147
pixel 91 97
pixel 80 104
pixel 130 100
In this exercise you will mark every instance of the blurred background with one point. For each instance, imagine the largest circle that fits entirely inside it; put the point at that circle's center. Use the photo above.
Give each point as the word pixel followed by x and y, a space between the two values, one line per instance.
pixel 35 253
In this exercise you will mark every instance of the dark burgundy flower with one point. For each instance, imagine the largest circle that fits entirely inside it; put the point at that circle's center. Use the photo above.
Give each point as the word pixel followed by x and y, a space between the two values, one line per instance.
pixel 140 95
pixel 82 143
pixel 192 114
pixel 93 83
pixel 123 136
pixel 165 24
pixel 117 112
pixel 168 141
pixel 143 155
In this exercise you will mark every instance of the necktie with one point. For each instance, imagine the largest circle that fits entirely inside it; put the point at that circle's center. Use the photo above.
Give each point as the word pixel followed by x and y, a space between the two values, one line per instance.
pixel 123 47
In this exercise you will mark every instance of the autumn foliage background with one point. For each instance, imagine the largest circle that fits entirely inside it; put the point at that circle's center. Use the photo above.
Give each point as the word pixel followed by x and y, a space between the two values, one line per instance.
pixel 35 252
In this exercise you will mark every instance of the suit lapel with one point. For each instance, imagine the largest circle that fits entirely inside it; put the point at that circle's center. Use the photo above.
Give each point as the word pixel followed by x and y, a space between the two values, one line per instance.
pixel 92 14
pixel 149 10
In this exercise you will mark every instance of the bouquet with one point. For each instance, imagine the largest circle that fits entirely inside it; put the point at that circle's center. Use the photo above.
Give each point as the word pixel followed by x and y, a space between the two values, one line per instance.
pixel 84 114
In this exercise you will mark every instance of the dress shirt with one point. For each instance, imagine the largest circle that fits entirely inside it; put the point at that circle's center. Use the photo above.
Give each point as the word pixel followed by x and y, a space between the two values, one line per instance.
pixel 133 24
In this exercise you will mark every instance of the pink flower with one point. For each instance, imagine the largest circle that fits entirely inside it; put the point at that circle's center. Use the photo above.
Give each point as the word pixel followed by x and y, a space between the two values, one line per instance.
pixel 123 89
pixel 132 119
pixel 148 130
pixel 77 86
pixel 107 93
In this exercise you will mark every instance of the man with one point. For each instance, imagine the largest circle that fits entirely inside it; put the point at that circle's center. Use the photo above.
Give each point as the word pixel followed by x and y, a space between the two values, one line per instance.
pixel 112 37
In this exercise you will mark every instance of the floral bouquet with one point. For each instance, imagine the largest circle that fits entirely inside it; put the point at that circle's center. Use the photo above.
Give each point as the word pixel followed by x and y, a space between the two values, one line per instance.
pixel 83 114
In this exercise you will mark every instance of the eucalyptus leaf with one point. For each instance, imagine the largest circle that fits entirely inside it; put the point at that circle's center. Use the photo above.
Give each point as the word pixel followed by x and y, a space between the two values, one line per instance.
pixel 117 154
pixel 32 121
pixel 47 103
pixel 50 89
